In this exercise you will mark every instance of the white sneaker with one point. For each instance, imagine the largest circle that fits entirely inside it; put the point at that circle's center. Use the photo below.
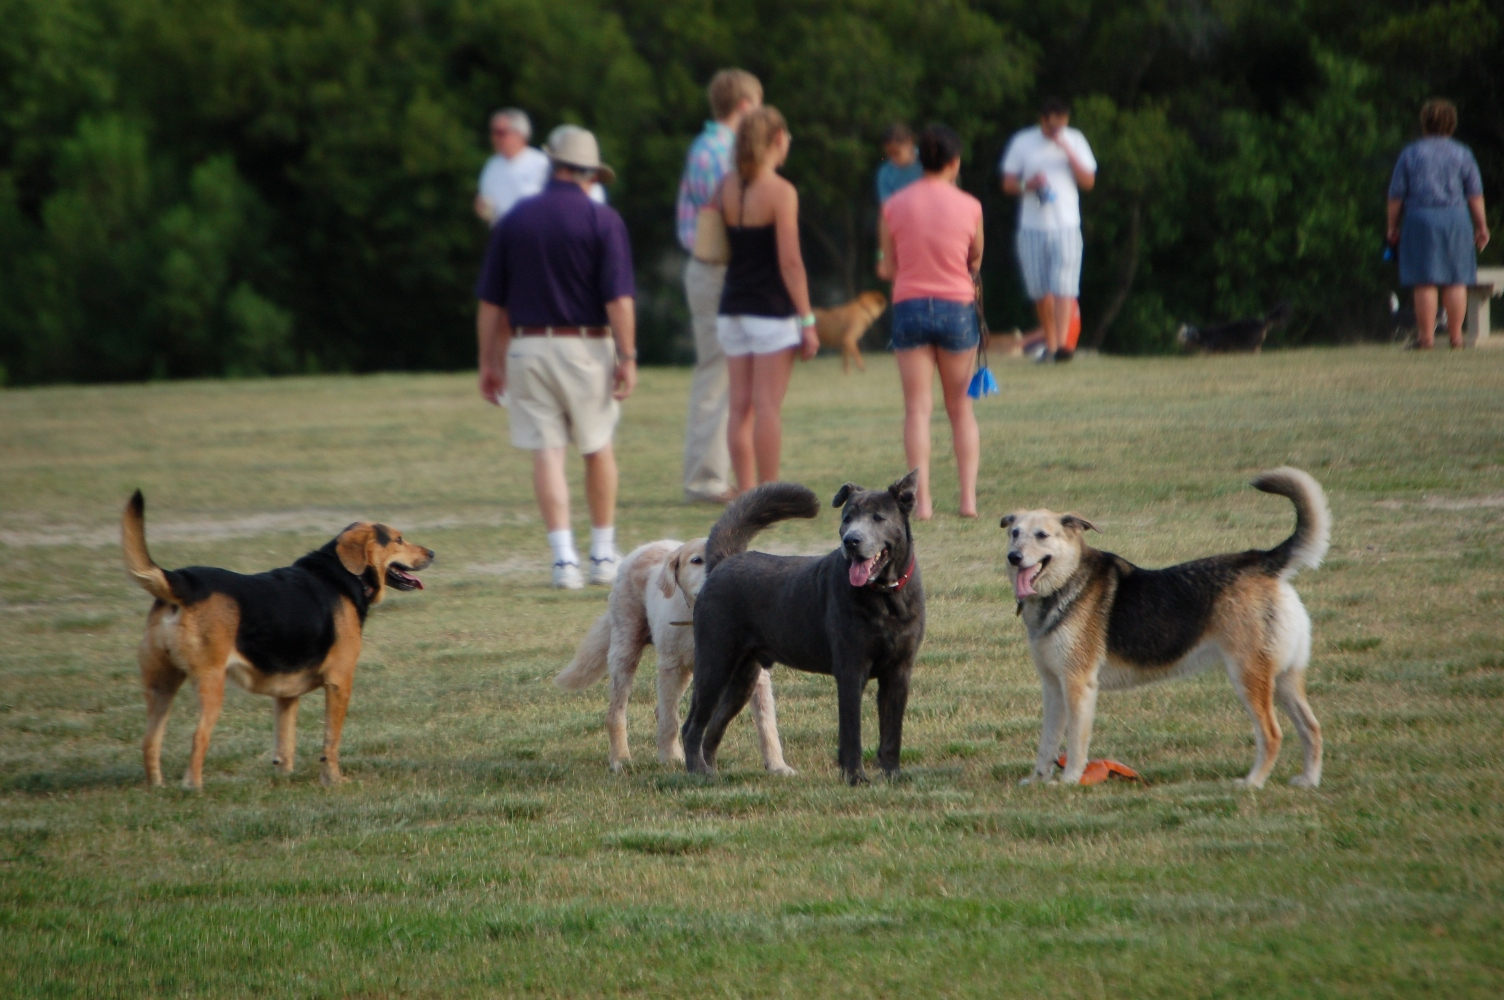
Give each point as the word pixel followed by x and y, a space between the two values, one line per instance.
pixel 603 571
pixel 567 577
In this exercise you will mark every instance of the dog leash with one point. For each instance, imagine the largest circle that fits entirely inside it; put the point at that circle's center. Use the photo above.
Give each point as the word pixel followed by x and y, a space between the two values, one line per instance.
pixel 982 383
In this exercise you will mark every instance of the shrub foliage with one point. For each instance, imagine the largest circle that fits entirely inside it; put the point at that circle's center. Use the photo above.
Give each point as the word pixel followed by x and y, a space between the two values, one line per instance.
pixel 225 187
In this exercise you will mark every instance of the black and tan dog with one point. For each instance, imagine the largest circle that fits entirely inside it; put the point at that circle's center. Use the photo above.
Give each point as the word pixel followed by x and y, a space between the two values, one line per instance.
pixel 856 614
pixel 282 633
pixel 1097 621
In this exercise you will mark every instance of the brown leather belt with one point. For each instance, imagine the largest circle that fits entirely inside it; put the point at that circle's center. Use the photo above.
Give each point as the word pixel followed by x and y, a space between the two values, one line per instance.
pixel 562 331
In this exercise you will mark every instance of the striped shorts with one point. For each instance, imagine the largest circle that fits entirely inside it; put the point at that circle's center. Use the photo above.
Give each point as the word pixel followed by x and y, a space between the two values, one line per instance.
pixel 1051 261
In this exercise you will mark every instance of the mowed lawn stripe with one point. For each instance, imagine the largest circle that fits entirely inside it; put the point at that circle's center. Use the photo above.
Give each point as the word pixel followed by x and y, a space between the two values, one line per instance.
pixel 482 847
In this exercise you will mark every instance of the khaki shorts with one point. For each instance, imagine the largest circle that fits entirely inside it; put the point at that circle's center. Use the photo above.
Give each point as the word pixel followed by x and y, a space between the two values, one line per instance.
pixel 559 390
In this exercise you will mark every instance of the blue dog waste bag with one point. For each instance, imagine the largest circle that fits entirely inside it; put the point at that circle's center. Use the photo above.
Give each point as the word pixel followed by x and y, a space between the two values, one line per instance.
pixel 982 384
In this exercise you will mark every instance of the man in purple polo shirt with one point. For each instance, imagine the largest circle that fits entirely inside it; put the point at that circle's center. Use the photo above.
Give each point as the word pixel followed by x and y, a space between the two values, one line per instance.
pixel 557 333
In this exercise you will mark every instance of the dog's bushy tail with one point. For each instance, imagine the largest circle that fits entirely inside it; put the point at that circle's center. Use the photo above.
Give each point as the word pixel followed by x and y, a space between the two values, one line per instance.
pixel 753 511
pixel 138 562
pixel 589 663
pixel 1313 520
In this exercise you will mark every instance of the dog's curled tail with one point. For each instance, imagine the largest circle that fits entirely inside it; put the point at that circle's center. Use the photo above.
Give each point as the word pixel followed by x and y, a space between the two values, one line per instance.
pixel 138 562
pixel 589 663
pixel 1313 520
pixel 753 511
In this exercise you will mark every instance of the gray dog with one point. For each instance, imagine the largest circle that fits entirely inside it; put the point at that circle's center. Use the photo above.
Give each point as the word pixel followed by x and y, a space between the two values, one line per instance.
pixel 856 614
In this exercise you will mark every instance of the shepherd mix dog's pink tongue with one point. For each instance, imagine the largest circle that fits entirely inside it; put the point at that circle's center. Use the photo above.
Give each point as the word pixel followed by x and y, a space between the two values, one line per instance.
pixel 861 572
pixel 1023 586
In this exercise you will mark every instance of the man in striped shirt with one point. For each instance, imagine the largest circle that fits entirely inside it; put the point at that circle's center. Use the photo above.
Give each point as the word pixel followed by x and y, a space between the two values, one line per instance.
pixel 707 463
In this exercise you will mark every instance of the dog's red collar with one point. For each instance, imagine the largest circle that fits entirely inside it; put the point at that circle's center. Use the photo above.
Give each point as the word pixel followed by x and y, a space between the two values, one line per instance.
pixel 896 585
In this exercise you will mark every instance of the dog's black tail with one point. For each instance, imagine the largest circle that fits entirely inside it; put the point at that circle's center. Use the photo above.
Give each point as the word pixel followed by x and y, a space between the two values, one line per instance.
pixel 1278 314
pixel 753 511
pixel 138 562
pixel 1313 521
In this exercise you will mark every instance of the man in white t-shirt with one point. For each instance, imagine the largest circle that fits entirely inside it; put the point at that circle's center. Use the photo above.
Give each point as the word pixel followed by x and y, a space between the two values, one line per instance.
pixel 517 170
pixel 1046 167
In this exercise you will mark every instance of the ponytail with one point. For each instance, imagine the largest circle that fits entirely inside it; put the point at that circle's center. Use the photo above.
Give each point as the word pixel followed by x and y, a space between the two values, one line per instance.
pixel 754 138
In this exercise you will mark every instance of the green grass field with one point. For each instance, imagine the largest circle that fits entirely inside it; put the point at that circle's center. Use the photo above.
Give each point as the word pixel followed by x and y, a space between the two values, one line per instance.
pixel 482 847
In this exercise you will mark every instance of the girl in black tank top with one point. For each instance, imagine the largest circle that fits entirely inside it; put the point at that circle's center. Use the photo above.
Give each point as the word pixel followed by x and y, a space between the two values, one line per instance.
pixel 754 282
pixel 765 321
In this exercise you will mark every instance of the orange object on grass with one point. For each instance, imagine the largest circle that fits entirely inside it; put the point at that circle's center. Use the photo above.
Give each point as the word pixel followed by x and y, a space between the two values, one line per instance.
pixel 1098 771
pixel 1073 334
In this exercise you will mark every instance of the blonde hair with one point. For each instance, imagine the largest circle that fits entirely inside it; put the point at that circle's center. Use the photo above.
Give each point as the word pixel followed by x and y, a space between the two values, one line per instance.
pixel 729 88
pixel 1438 116
pixel 755 137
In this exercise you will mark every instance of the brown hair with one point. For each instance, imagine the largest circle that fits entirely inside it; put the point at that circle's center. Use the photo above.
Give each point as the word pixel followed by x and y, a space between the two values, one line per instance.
pixel 730 87
pixel 1438 116
pixel 755 137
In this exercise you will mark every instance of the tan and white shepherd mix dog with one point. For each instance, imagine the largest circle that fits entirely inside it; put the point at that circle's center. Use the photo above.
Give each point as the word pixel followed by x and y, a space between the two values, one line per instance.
pixel 652 601
pixel 1096 621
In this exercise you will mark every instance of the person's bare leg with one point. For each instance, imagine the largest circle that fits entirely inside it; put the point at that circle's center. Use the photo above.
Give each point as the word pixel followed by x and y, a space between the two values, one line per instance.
pixel 1065 308
pixel 916 370
pixel 739 421
pixel 1045 307
pixel 1425 315
pixel 1454 299
pixel 770 383
pixel 600 487
pixel 550 487
pixel 955 376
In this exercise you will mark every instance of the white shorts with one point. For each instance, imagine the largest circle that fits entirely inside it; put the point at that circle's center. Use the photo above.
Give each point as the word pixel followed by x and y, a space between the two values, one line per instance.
pixel 1051 261
pixel 743 335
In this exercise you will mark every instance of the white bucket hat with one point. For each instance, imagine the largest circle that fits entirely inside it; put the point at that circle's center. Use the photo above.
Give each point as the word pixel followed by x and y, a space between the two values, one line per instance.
pixel 573 146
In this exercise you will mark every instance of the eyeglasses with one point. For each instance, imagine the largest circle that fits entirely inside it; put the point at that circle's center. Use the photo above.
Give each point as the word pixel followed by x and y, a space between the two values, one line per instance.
pixel 500 131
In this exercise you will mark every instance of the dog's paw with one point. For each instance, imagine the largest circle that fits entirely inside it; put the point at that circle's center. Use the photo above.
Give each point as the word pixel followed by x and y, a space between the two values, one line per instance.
pixel 1252 784
pixel 329 778
pixel 784 770
pixel 855 778
pixel 1304 781
pixel 189 785
pixel 618 766
pixel 1037 779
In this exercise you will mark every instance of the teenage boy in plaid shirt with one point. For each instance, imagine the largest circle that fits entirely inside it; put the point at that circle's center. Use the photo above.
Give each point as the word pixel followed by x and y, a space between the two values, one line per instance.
pixel 707 463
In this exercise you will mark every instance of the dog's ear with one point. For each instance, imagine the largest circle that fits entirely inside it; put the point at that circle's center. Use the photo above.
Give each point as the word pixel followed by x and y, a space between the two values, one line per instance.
pixel 1007 521
pixel 1077 523
pixel 668 577
pixel 352 546
pixel 903 490
pixel 843 493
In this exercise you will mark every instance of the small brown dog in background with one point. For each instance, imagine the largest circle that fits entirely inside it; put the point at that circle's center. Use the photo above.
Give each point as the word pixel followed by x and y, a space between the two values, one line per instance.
pixel 841 327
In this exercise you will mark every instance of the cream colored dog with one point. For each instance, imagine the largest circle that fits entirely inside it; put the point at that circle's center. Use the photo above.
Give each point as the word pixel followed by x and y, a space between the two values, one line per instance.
pixel 652 602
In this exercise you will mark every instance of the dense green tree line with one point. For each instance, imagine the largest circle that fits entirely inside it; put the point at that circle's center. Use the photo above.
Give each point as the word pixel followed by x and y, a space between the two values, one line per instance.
pixel 193 187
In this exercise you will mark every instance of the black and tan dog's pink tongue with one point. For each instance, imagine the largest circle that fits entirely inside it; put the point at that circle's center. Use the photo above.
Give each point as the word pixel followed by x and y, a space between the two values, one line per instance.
pixel 861 572
pixel 1023 586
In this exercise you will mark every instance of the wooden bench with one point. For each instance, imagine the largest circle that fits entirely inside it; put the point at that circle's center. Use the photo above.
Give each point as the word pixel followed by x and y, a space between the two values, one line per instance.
pixel 1475 327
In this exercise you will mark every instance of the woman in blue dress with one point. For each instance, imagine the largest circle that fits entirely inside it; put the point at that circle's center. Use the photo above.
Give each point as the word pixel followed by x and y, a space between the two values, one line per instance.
pixel 1437 190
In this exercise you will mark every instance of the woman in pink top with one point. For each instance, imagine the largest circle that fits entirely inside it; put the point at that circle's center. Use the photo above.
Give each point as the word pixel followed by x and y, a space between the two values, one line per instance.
pixel 931 250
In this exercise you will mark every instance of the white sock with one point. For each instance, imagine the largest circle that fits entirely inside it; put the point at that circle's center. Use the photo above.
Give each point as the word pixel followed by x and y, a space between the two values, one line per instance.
pixel 603 542
pixel 562 542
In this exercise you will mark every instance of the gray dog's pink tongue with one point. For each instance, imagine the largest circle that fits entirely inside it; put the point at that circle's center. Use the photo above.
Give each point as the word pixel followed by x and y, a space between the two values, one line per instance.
pixel 1023 586
pixel 861 572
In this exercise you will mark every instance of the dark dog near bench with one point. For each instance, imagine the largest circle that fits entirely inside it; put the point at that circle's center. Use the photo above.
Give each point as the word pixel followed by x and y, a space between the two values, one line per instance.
pixel 856 614
pixel 1245 335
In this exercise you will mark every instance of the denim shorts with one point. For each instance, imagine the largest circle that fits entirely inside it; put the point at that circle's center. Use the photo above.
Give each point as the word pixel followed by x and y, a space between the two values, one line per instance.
pixel 950 326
